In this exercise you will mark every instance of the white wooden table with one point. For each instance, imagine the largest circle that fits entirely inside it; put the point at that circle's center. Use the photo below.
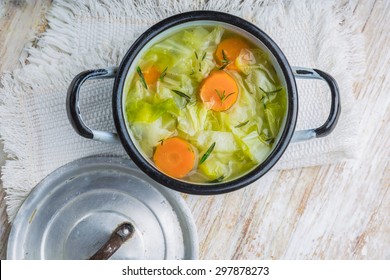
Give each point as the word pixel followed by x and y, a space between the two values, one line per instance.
pixel 337 211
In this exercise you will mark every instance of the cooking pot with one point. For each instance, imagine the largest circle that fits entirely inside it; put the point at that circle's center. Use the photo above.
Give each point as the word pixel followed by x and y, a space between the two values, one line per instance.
pixel 286 73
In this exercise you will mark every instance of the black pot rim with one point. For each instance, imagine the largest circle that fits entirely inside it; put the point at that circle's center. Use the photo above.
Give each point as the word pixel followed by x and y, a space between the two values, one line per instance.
pixel 193 188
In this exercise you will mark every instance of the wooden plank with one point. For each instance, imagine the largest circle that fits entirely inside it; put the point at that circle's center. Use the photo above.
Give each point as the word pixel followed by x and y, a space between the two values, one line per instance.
pixel 20 21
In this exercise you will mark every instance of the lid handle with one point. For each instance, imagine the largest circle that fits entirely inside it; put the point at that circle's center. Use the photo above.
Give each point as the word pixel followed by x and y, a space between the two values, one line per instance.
pixel 120 235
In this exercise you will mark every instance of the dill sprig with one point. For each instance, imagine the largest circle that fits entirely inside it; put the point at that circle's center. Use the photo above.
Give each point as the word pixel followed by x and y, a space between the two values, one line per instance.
pixel 207 153
pixel 265 95
pixel 223 96
pixel 141 76
pixel 200 60
pixel 241 124
pixel 223 66
pixel 268 140
pixel 182 94
pixel 225 60
pixel 270 92
pixel 163 74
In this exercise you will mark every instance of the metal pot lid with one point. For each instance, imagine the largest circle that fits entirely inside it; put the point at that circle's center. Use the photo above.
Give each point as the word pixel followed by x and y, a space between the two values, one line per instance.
pixel 73 211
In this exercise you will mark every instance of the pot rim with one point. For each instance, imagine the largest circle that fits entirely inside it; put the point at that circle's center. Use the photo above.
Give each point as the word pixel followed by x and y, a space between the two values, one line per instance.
pixel 194 188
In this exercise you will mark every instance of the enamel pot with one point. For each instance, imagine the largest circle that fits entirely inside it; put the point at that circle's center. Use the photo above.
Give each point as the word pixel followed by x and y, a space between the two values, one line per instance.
pixel 287 74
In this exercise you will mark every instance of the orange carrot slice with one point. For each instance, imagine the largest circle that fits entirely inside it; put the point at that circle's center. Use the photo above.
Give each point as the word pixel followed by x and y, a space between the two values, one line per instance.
pixel 219 91
pixel 175 157
pixel 228 50
pixel 151 75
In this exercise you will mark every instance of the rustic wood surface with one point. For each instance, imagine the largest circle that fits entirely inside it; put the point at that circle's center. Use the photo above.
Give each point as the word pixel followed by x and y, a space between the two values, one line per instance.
pixel 337 211
pixel 20 21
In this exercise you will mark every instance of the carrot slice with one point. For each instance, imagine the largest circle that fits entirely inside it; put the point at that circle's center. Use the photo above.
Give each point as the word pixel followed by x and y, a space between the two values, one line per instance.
pixel 151 75
pixel 228 50
pixel 219 91
pixel 175 157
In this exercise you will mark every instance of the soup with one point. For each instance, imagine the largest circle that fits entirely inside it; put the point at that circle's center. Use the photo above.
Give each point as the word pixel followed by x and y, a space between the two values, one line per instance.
pixel 204 104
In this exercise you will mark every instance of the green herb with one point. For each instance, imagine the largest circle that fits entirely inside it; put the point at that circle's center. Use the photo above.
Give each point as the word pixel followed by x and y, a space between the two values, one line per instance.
pixel 266 139
pixel 225 58
pixel 182 94
pixel 264 98
pixel 223 96
pixel 163 74
pixel 223 66
pixel 219 179
pixel 265 95
pixel 225 61
pixel 241 124
pixel 228 96
pixel 207 154
pixel 141 76
pixel 270 92
pixel 192 72
pixel 201 60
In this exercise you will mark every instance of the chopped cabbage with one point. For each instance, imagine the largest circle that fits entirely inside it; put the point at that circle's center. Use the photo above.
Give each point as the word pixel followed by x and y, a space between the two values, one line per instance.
pixel 248 109
pixel 246 61
pixel 224 141
pixel 251 59
pixel 259 80
pixel 215 168
pixel 193 119
pixel 195 37
pixel 145 112
pixel 273 112
pixel 252 146
pixel 190 53
pixel 149 134
pixel 221 165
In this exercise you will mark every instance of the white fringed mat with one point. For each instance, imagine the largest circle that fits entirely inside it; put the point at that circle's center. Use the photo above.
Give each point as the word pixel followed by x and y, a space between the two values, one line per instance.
pixel 91 34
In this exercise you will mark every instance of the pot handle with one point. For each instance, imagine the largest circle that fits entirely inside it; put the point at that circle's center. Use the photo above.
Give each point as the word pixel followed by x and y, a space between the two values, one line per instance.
pixel 335 109
pixel 73 108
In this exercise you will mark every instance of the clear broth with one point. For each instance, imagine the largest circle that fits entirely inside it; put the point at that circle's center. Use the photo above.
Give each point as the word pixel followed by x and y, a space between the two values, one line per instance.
pixel 165 102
